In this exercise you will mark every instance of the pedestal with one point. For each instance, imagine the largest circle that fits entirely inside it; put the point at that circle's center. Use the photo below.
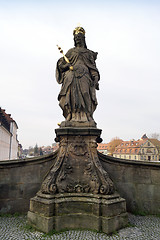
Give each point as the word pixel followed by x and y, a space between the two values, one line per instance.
pixel 77 192
pixel 78 211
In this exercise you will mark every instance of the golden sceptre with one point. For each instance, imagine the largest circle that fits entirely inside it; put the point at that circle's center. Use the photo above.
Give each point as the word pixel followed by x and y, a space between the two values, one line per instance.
pixel 66 59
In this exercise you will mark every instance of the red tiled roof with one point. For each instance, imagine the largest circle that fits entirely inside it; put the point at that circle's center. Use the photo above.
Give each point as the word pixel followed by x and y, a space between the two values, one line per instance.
pixel 102 146
pixel 155 142
pixel 131 146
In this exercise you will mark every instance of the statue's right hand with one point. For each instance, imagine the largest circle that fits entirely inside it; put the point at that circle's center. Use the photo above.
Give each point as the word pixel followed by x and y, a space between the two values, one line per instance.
pixel 64 67
pixel 71 68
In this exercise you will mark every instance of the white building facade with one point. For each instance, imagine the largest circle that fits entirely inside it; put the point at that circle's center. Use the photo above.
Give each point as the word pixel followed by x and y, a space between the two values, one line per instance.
pixel 8 137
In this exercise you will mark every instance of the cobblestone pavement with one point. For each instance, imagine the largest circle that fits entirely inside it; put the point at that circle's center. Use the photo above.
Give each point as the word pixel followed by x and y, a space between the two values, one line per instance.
pixel 141 228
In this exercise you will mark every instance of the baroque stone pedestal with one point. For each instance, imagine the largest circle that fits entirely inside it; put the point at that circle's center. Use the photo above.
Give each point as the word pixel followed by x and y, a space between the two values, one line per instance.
pixel 106 213
pixel 77 192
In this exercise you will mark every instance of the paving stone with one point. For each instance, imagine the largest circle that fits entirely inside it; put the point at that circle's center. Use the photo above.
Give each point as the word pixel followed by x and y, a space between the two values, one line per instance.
pixel 145 227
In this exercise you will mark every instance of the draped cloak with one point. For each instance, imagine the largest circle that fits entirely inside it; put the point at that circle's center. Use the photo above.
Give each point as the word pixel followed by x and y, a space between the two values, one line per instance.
pixel 78 89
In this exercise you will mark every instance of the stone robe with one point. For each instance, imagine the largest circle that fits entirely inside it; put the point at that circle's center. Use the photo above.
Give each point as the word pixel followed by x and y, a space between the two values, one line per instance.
pixel 77 96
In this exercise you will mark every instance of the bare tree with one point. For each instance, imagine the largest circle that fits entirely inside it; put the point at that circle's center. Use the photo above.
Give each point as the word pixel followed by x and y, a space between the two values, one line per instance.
pixel 155 135
pixel 113 144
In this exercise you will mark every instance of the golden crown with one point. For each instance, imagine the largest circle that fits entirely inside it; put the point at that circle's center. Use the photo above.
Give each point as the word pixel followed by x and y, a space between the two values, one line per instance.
pixel 79 30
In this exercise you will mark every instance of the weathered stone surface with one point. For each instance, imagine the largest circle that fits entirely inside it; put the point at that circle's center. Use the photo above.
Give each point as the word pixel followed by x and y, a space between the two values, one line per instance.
pixel 77 167
pixel 79 76
pixel 139 172
pixel 136 181
pixel 20 180
pixel 78 210
pixel 42 223
pixel 75 124
pixel 11 201
pixel 155 176
pixel 77 192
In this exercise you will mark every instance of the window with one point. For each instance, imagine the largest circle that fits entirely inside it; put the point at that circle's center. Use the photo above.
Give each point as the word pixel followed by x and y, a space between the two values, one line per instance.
pixel 135 158
pixel 149 144
pixel 129 157
pixel 153 157
pixel 141 157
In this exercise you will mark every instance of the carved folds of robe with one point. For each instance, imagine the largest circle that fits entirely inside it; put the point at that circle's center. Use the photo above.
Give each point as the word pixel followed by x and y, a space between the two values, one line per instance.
pixel 77 97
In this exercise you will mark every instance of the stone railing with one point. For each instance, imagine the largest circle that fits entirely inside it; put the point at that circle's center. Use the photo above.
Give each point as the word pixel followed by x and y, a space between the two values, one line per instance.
pixel 20 180
pixel 138 182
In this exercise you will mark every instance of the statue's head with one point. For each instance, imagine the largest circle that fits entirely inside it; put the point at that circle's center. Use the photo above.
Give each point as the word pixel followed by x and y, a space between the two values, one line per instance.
pixel 79 37
pixel 78 30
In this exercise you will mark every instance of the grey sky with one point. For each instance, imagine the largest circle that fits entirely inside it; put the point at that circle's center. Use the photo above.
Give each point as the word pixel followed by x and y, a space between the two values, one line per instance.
pixel 126 35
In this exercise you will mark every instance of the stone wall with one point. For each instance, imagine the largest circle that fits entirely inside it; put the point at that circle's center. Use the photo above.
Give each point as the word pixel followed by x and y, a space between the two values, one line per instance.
pixel 20 180
pixel 138 182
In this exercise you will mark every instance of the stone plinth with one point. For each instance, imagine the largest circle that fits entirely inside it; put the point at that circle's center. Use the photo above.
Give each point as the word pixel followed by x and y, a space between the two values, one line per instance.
pixel 78 211
pixel 77 168
pixel 77 192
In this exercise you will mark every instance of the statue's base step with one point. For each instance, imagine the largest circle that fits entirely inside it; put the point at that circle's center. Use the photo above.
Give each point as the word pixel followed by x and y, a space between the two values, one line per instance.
pixel 78 211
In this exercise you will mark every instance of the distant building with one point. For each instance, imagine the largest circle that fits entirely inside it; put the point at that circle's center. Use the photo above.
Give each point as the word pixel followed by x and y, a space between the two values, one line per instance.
pixel 102 147
pixel 143 149
pixel 108 148
pixel 55 146
pixel 50 149
pixel 46 150
pixel 8 137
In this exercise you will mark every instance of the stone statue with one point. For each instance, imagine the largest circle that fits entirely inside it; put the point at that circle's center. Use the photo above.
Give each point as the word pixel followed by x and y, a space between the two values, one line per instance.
pixel 77 191
pixel 79 77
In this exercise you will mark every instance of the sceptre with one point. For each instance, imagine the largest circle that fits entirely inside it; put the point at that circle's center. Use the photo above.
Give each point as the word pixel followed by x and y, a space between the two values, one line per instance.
pixel 66 59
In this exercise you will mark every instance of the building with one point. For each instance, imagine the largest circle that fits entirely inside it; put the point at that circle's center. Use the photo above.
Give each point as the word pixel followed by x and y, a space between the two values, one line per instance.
pixel 55 146
pixel 145 149
pixel 108 148
pixel 8 137
pixel 102 147
pixel 50 149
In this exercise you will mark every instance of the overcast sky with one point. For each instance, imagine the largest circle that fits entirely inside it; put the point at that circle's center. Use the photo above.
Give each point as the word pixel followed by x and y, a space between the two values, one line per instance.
pixel 126 35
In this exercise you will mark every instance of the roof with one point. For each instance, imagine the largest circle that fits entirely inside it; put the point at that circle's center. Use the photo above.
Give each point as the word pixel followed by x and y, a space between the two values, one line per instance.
pixel 6 117
pixel 102 146
pixel 130 147
pixel 133 146
pixel 155 142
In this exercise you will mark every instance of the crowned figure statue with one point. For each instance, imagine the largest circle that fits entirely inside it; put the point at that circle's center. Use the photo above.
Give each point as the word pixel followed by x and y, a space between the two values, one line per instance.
pixel 79 76
pixel 77 191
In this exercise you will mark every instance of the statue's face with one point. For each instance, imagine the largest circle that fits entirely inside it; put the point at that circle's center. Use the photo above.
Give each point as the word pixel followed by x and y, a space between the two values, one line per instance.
pixel 79 39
